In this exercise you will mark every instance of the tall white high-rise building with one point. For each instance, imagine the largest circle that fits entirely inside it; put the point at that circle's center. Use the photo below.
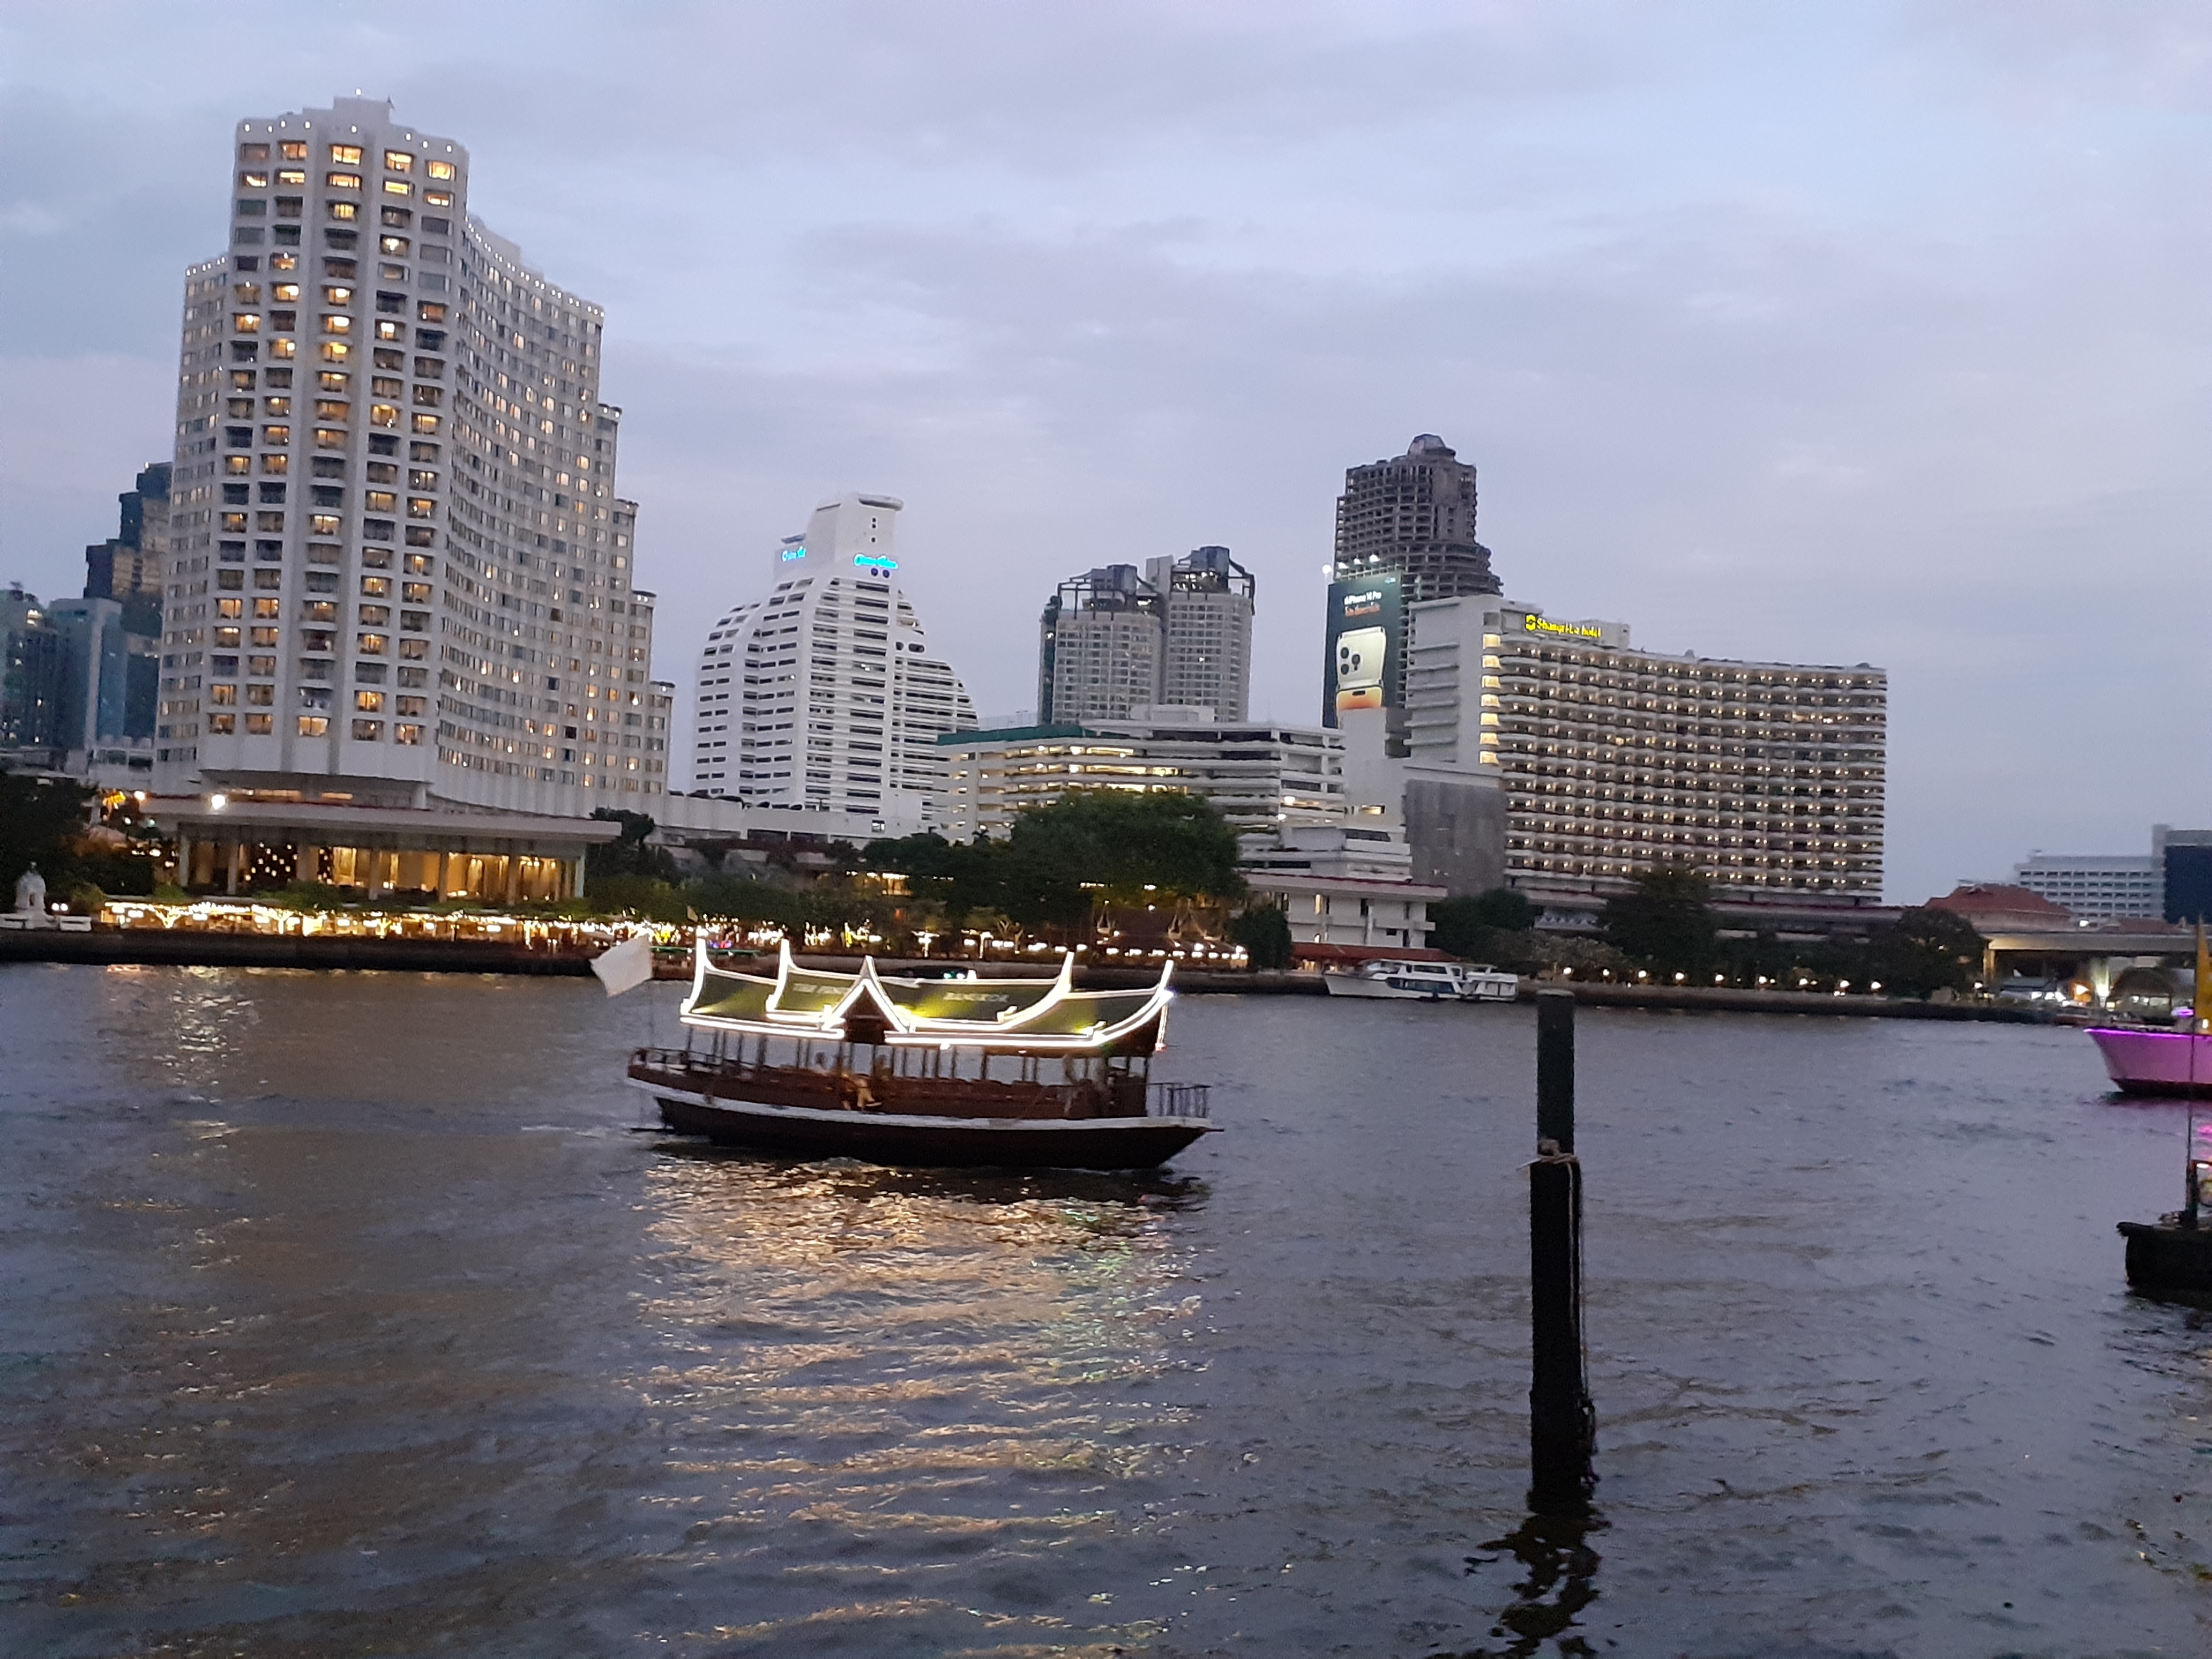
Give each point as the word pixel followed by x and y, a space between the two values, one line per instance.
pixel 399 573
pixel 823 693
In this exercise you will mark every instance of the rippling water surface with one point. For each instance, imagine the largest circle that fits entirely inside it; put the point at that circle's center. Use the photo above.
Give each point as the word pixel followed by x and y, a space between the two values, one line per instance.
pixel 344 1314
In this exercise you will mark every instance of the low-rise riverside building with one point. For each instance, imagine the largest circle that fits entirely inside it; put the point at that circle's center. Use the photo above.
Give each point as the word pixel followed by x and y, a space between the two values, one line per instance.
pixel 2090 884
pixel 1255 775
pixel 246 843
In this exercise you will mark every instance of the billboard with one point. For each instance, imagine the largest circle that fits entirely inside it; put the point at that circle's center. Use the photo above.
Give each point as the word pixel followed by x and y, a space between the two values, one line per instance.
pixel 1361 669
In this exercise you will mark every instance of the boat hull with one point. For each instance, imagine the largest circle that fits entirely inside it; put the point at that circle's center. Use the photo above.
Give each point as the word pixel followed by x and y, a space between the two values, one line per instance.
pixel 1113 1143
pixel 2172 1063
pixel 2165 1255
pixel 1348 985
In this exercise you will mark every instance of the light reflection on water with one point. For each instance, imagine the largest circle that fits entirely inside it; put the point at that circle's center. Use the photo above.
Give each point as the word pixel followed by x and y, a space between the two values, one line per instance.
pixel 344 1317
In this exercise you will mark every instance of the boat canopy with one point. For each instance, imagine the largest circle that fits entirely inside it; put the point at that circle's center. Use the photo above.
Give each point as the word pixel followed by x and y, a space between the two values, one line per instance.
pixel 1031 1016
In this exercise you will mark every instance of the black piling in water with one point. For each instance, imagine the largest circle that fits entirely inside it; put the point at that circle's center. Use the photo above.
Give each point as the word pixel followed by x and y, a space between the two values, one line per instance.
pixel 1562 1424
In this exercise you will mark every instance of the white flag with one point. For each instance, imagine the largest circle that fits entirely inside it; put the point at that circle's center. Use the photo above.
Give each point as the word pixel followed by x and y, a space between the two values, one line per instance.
pixel 626 966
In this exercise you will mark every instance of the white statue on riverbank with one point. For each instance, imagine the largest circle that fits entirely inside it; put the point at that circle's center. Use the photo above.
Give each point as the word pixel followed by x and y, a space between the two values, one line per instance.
pixel 31 894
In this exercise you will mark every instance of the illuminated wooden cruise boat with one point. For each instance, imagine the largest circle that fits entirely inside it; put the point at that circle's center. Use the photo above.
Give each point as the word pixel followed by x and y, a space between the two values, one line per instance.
pixel 1029 1073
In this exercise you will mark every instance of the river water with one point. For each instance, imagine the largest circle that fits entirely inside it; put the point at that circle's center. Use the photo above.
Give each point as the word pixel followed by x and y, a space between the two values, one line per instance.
pixel 346 1314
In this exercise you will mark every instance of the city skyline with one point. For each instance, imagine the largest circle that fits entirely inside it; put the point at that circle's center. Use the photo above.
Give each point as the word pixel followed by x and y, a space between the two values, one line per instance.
pixel 1843 395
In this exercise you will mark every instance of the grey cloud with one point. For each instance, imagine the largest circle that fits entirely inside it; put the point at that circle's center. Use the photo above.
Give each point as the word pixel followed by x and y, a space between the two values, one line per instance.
pixel 1919 383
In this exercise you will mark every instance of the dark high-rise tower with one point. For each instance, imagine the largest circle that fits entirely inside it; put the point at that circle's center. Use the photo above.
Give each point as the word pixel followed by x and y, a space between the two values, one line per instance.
pixel 1407 522
pixel 1413 515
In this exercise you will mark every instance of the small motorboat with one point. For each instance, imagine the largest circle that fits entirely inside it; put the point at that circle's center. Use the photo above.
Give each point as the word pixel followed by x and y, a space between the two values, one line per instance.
pixel 1425 982
pixel 1019 1072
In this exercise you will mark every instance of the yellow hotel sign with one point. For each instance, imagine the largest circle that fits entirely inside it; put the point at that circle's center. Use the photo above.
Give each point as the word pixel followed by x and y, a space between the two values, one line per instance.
pixel 1561 631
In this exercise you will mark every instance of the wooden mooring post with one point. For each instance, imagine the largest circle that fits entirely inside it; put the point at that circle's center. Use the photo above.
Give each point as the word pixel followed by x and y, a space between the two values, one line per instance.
pixel 1562 1424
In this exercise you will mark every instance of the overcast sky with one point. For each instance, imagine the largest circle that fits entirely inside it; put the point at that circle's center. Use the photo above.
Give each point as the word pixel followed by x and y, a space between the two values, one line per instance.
pixel 1833 333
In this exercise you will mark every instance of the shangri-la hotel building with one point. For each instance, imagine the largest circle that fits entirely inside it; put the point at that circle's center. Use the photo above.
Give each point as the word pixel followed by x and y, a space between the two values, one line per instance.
pixel 402 649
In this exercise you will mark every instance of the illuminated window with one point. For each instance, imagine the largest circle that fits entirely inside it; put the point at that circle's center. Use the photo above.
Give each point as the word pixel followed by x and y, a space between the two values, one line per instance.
pixel 398 187
pixel 335 351
pixel 254 181
pixel 376 587
pixel 246 322
pixel 237 464
pixel 373 645
pixel 336 322
pixel 341 210
pixel 260 724
pixel 276 464
pixel 329 438
pixel 443 199
pixel 222 723
pixel 277 436
pixel 426 422
pixel 384 415
pixel 227 638
pixel 291 175
pixel 293 149
pixel 282 348
pixel 332 380
pixel 369 702
pixel 406 733
pixel 346 154
pixel 430 312
pixel 323 524
pixel 314 726
pixel 223 695
pixel 395 246
pixel 368 731
pixel 441 169
pixel 398 161
pixel 266 610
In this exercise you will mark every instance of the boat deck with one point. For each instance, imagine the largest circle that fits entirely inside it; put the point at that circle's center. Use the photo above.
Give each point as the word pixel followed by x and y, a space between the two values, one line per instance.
pixel 881 1090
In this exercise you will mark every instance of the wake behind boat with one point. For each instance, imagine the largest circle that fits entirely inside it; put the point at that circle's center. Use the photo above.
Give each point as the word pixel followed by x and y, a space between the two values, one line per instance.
pixel 1019 1072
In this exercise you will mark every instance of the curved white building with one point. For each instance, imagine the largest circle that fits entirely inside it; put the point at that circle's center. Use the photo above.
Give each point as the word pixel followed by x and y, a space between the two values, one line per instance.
pixel 821 694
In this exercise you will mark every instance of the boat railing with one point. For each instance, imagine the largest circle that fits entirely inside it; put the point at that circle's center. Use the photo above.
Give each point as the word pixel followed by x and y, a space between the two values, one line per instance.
pixel 1180 1100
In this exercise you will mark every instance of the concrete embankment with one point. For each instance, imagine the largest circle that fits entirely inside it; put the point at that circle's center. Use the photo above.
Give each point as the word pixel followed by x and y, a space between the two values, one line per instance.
pixel 1713 998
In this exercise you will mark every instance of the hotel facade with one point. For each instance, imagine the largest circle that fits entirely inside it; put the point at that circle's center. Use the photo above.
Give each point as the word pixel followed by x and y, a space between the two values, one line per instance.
pixel 398 574
pixel 398 567
pixel 1768 777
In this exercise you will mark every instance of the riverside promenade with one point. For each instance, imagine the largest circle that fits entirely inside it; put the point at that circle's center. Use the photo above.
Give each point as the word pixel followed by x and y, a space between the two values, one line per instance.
pixel 151 947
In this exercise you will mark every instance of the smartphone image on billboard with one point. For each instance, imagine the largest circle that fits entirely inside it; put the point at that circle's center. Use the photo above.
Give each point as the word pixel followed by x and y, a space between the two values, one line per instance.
pixel 1360 654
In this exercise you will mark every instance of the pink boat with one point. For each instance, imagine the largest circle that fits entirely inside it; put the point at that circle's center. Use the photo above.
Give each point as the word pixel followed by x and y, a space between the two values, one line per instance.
pixel 2156 1062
